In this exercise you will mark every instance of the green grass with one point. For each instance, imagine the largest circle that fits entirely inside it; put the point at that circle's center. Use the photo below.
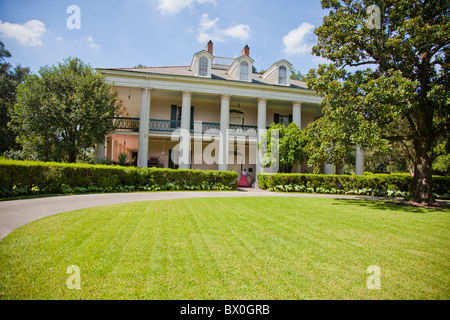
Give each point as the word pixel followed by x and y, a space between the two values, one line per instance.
pixel 231 248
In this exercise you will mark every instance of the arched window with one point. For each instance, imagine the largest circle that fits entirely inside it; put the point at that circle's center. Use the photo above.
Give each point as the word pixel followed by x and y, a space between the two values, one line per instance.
pixel 243 73
pixel 203 67
pixel 282 75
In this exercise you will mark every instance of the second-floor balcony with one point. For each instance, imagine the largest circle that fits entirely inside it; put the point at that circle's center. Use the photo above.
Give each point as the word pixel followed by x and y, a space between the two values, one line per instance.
pixel 169 126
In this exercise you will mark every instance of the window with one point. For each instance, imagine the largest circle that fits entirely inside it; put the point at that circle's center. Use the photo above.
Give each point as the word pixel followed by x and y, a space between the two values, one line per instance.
pixel 243 72
pixel 284 119
pixel 282 75
pixel 175 116
pixel 237 117
pixel 203 67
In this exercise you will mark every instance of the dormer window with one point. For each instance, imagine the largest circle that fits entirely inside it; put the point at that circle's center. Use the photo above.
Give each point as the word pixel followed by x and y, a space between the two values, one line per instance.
pixel 202 61
pixel 243 71
pixel 279 73
pixel 282 75
pixel 203 67
pixel 241 68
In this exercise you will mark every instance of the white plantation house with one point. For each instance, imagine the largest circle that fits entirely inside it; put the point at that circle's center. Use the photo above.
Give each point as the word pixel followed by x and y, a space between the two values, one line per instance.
pixel 206 115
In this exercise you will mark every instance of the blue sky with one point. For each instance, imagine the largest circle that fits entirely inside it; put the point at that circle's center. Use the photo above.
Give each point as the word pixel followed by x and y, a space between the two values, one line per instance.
pixel 159 32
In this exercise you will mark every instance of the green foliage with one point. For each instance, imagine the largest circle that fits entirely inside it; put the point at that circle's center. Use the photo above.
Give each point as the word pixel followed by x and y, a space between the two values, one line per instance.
pixel 32 177
pixel 403 96
pixel 9 80
pixel 122 159
pixel 62 111
pixel 290 147
pixel 386 185
pixel 297 75
pixel 442 165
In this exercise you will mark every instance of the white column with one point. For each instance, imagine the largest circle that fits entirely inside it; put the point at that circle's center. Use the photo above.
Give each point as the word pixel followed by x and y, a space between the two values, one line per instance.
pixel 185 144
pixel 114 153
pixel 224 125
pixel 99 152
pixel 359 166
pixel 109 148
pixel 144 124
pixel 297 113
pixel 327 168
pixel 262 125
pixel 297 119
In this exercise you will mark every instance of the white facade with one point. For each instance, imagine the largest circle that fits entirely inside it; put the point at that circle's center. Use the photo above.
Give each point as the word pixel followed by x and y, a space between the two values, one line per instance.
pixel 218 105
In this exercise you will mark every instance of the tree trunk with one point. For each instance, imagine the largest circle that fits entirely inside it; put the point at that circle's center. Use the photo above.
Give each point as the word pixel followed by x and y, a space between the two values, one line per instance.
pixel 422 185
pixel 72 156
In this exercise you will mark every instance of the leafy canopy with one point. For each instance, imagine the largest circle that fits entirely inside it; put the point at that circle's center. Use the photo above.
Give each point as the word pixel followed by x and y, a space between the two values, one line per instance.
pixel 10 78
pixel 384 83
pixel 62 111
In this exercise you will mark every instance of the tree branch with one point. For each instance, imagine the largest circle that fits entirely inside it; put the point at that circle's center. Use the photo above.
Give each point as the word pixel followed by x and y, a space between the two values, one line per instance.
pixel 402 138
pixel 360 63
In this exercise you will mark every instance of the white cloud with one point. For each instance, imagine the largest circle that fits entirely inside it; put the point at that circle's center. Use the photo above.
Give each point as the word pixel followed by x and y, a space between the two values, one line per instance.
pixel 209 30
pixel 175 6
pixel 206 24
pixel 240 31
pixel 295 41
pixel 28 34
pixel 92 43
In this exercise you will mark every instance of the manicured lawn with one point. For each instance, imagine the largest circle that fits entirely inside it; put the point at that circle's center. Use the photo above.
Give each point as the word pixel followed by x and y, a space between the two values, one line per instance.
pixel 231 248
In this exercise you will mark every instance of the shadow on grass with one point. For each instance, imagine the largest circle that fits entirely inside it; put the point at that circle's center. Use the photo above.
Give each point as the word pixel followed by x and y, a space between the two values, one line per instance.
pixel 397 206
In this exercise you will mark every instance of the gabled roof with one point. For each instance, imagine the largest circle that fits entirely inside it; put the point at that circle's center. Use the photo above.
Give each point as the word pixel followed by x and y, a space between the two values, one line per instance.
pixel 238 60
pixel 203 52
pixel 276 65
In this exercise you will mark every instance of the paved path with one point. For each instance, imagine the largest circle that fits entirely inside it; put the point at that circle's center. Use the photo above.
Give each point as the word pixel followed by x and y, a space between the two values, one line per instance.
pixel 16 213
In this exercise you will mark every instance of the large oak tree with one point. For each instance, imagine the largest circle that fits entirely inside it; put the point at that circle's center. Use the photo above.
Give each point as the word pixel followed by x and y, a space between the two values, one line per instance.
pixel 387 80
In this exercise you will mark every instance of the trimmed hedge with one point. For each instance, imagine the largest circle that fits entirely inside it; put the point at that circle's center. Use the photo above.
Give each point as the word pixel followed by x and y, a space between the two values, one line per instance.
pixel 32 177
pixel 371 184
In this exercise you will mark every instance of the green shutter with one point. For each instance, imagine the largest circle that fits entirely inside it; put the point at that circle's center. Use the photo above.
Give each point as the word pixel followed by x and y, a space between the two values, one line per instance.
pixel 276 118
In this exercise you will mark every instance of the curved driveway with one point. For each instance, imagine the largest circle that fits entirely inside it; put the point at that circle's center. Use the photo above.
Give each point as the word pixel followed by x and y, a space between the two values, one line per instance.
pixel 16 213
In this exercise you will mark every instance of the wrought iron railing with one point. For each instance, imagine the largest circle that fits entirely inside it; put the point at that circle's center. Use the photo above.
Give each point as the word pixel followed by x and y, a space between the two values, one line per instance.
pixel 164 125
pixel 206 127
pixel 243 130
pixel 156 125
pixel 128 124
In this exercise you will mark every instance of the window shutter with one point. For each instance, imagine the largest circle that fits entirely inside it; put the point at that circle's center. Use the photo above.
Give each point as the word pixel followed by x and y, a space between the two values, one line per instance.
pixel 276 118
pixel 173 116
pixel 290 118
pixel 192 117
pixel 176 157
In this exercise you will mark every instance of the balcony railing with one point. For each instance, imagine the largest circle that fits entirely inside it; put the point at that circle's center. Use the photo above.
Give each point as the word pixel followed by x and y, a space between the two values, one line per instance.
pixel 156 125
pixel 126 124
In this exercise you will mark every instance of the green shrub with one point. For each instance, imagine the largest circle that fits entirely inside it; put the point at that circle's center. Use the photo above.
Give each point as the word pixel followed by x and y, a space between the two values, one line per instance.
pixel 31 177
pixel 390 185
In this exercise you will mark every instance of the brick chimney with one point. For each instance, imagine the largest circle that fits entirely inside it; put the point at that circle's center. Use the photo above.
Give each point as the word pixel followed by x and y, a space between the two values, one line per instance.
pixel 246 51
pixel 209 47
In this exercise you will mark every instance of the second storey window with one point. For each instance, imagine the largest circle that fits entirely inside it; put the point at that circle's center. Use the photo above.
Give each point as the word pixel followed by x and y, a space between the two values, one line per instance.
pixel 282 75
pixel 243 71
pixel 203 67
